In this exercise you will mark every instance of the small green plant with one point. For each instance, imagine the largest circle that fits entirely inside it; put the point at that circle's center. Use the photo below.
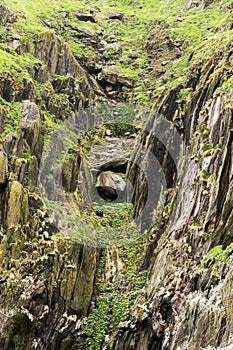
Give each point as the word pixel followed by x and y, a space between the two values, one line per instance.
pixel 54 285
pixel 26 154
pixel 206 147
pixel 205 174
pixel 205 236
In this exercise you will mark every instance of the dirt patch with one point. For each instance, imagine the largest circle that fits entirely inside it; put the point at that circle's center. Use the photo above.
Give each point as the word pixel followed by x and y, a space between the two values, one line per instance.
pixel 162 51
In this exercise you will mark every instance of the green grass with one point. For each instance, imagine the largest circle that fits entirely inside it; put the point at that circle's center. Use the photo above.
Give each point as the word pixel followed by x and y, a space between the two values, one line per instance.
pixel 115 300
pixel 197 28
pixel 218 254
pixel 15 64
pixel 12 117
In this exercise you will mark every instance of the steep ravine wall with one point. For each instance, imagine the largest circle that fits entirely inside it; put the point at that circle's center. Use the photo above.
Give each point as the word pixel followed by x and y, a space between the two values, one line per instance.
pixel 46 281
pixel 190 299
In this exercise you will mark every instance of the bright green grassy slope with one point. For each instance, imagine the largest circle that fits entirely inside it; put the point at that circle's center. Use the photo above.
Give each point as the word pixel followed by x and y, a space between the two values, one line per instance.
pixel 196 27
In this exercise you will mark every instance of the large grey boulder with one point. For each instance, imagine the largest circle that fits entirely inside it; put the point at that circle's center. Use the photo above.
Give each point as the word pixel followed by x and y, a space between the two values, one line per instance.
pixel 109 185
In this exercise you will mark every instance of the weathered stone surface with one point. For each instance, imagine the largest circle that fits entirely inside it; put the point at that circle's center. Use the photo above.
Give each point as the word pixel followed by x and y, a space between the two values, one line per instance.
pixel 58 58
pixel 113 48
pixel 3 166
pixel 83 289
pixel 126 81
pixel 48 48
pixel 86 32
pixel 39 72
pixel 85 17
pixel 7 87
pixel 186 295
pixel 116 165
pixel 70 172
pixel 113 76
pixel 110 184
pixel 106 186
pixel 6 16
pixel 109 74
pixel 193 4
pixel 201 3
pixel 31 125
pixel 115 15
pixel 14 204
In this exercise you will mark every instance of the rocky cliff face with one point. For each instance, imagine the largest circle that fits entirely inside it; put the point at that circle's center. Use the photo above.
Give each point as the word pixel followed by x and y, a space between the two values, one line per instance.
pixel 36 262
pixel 190 266
pixel 171 287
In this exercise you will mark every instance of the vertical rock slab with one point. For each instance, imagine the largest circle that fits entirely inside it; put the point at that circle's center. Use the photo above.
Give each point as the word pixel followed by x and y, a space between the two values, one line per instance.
pixel 31 125
pixel 14 203
pixel 83 288
pixel 3 166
